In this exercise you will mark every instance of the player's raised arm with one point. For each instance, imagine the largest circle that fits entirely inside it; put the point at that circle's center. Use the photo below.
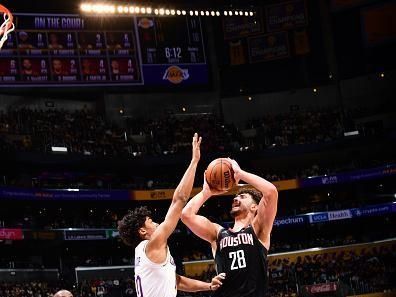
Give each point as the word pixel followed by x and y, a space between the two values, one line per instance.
pixel 200 225
pixel 267 207
pixel 156 247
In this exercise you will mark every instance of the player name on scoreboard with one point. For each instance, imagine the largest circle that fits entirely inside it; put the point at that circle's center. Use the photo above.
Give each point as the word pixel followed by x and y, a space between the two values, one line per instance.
pixel 64 49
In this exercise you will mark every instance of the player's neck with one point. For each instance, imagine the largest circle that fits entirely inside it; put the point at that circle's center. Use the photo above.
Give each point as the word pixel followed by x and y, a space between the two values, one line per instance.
pixel 241 223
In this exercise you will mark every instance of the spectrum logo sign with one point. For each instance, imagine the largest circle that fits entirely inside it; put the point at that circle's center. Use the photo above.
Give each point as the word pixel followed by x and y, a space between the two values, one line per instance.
pixel 175 74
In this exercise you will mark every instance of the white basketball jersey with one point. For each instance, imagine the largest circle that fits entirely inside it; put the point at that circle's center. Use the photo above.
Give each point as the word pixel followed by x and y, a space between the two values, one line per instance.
pixel 152 279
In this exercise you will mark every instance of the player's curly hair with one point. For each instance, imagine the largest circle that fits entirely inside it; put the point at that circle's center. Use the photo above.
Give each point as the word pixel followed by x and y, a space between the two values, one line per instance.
pixel 130 224
pixel 256 195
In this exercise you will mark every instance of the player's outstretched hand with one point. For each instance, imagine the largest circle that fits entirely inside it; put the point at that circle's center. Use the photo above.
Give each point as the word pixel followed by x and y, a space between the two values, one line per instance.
pixel 217 281
pixel 237 170
pixel 196 151
pixel 208 191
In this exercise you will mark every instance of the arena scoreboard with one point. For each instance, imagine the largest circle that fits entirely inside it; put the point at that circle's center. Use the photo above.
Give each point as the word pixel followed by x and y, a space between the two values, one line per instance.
pixel 63 50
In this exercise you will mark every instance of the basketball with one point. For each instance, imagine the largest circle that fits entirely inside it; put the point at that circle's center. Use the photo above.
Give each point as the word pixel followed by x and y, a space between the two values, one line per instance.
pixel 220 175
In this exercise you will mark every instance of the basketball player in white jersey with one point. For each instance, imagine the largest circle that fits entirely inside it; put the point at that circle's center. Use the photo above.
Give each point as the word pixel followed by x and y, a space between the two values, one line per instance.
pixel 155 270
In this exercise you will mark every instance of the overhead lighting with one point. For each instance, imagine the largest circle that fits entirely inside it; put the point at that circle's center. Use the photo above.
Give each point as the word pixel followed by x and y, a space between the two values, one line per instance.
pixel 109 8
pixel 86 7
pixel 351 133
pixel 59 149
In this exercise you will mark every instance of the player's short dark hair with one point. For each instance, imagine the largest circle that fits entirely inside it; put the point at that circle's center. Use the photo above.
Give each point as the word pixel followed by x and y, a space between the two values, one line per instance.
pixel 256 195
pixel 130 224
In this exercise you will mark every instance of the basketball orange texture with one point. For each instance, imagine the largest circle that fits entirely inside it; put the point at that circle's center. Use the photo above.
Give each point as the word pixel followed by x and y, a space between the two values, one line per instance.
pixel 220 175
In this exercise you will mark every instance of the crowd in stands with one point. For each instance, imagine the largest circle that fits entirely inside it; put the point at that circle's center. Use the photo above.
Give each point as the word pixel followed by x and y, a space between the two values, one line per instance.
pixel 87 132
pixel 29 289
pixel 361 270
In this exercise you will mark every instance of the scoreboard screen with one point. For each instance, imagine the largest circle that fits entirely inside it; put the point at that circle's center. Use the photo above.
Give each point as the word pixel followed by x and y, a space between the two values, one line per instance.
pixel 64 50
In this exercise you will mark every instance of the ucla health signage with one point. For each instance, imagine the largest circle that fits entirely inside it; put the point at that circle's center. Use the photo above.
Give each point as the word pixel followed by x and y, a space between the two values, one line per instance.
pixel 319 217
pixel 339 215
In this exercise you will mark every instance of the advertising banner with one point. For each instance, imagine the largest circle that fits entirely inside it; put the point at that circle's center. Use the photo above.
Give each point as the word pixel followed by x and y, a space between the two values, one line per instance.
pixel 286 15
pixel 237 26
pixel 11 234
pixel 86 234
pixel 65 194
pixel 295 220
pixel 321 288
pixel 268 47
pixel 351 176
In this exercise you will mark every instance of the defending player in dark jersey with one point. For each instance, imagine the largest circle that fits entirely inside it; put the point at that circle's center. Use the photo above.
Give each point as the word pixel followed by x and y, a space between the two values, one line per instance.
pixel 240 252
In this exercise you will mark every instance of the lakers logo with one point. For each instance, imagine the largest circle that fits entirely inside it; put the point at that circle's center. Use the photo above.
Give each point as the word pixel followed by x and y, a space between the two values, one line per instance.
pixel 145 23
pixel 175 74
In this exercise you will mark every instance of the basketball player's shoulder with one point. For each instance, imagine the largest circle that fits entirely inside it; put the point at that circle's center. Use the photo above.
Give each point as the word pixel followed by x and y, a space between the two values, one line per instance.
pixel 140 248
pixel 222 232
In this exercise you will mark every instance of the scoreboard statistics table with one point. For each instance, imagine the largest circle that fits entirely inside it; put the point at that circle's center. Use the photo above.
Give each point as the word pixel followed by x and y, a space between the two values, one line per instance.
pixel 74 50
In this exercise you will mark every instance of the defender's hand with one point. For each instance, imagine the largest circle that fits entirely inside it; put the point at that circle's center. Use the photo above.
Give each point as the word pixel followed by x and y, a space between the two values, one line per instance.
pixel 196 151
pixel 217 281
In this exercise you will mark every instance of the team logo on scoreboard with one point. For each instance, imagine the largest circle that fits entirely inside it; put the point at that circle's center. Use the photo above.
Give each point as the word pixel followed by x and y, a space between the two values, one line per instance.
pixel 175 74
pixel 145 23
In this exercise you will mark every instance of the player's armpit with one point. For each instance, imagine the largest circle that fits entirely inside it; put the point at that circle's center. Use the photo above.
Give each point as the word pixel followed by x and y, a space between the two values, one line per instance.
pixel 265 217
pixel 156 247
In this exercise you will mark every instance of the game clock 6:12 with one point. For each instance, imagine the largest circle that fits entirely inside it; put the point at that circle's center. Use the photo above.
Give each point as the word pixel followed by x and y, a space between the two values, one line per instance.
pixel 171 40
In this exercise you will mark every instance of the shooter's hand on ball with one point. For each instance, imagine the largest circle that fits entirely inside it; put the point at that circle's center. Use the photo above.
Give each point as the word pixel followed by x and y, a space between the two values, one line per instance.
pixel 237 170
pixel 208 191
